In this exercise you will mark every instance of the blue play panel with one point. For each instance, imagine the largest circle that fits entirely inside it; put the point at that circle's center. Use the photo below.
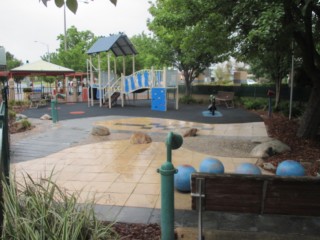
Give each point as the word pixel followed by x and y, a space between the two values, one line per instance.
pixel 209 114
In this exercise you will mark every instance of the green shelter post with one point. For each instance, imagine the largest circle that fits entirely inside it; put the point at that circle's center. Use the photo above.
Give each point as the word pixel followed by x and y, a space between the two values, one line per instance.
pixel 54 111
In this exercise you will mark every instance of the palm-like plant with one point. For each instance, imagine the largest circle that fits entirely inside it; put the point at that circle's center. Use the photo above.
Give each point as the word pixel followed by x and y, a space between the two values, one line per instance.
pixel 42 210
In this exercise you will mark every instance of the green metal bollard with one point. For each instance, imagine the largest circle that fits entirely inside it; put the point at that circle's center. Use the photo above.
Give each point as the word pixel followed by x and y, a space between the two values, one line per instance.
pixel 54 112
pixel 167 171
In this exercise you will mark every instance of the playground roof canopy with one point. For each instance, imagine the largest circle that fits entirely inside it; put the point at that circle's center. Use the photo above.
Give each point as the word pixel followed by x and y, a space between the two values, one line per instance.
pixel 119 44
pixel 40 68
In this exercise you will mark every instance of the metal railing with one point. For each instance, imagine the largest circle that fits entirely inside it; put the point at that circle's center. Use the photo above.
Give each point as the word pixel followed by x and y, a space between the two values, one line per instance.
pixel 4 136
pixel 4 149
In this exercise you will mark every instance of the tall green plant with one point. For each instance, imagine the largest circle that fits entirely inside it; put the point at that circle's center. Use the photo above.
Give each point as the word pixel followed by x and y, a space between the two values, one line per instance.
pixel 42 210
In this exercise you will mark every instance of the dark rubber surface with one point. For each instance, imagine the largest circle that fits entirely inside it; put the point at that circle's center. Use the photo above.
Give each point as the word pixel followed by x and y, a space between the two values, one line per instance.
pixel 142 108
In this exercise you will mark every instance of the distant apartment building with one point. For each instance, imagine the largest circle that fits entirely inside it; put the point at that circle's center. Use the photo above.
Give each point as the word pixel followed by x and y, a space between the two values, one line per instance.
pixel 3 60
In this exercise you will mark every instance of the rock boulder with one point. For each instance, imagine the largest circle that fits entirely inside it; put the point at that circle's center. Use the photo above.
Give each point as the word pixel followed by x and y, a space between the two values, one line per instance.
pixel 140 138
pixel 100 131
pixel 269 148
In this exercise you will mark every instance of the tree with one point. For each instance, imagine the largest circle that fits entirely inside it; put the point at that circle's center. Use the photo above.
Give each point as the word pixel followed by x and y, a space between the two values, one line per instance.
pixel 302 18
pixel 78 44
pixel 49 79
pixel 71 4
pixel 272 25
pixel 256 31
pixel 151 53
pixel 193 34
pixel 12 62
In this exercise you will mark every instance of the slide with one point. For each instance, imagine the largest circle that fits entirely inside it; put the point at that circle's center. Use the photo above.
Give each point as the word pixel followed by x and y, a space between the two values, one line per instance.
pixel 137 83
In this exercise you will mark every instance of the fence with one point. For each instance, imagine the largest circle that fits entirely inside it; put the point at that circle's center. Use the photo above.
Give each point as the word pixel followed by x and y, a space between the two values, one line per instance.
pixel 4 136
pixel 4 147
pixel 299 94
pixel 20 95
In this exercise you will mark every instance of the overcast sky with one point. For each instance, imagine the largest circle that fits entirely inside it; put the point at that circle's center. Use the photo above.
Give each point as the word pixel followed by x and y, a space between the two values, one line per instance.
pixel 22 22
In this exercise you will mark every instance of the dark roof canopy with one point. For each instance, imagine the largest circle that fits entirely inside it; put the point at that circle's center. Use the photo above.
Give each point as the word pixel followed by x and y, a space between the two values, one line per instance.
pixel 119 44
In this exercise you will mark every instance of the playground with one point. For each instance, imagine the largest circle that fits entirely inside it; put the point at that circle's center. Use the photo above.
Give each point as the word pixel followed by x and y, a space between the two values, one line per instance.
pixel 123 178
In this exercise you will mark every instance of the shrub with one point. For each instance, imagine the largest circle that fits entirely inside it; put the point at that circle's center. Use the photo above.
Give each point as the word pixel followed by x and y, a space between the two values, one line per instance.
pixel 21 103
pixel 200 101
pixel 12 114
pixel 41 210
pixel 296 110
pixel 25 123
pixel 254 103
pixel 187 100
pixel 13 103
pixel 26 90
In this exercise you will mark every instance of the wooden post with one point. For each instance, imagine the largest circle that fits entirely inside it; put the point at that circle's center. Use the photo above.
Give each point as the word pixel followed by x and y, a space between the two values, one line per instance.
pixel 133 64
pixel 115 68
pixel 121 92
pixel 99 77
pixel 164 78
pixel 124 65
pixel 109 82
pixel 92 81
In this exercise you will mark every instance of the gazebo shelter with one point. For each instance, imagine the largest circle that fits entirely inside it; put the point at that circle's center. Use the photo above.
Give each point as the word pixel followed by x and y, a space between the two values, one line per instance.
pixel 39 68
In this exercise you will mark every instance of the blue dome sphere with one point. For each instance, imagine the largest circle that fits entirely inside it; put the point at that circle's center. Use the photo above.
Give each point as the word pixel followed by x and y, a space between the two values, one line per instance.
pixel 290 168
pixel 248 168
pixel 182 178
pixel 211 165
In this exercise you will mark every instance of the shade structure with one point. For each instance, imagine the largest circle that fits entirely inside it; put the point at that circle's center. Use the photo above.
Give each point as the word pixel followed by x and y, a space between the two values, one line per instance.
pixel 119 44
pixel 40 67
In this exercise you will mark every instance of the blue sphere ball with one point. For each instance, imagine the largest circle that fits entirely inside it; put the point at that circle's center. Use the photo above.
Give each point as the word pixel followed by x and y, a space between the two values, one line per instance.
pixel 211 165
pixel 248 168
pixel 290 168
pixel 182 178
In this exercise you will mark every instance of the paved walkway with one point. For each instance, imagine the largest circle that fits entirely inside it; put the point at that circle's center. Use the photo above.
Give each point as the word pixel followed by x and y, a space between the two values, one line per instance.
pixel 122 177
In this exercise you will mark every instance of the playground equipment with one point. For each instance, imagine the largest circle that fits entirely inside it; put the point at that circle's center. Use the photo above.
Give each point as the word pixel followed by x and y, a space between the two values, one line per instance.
pixel 248 168
pixel 211 165
pixel 107 87
pixel 182 178
pixel 158 81
pixel 290 168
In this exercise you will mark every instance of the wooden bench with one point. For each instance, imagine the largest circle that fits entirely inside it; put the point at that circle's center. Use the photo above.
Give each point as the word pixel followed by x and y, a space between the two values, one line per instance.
pixel 226 97
pixel 36 100
pixel 256 194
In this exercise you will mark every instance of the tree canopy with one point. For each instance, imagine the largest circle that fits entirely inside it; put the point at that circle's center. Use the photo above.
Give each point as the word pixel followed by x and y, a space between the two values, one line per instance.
pixel 72 5
pixel 265 29
pixel 78 43
pixel 12 62
pixel 194 35
pixel 259 38
pixel 152 53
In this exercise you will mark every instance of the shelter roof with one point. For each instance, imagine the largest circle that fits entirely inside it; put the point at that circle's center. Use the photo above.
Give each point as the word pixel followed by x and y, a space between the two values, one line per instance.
pixel 76 74
pixel 40 68
pixel 119 44
pixel 4 73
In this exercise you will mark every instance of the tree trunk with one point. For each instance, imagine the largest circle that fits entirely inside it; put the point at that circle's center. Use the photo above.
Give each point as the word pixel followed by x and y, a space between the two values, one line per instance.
pixel 188 83
pixel 310 122
pixel 278 90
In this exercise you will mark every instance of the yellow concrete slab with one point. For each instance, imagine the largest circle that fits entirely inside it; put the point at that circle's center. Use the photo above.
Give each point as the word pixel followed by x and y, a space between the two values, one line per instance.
pixel 122 174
